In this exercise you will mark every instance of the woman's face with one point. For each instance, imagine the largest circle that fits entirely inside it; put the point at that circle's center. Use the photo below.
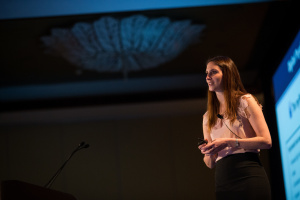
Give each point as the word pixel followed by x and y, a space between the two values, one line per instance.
pixel 214 77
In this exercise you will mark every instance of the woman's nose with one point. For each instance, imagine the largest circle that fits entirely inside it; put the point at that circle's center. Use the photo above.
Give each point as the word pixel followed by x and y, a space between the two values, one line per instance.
pixel 208 76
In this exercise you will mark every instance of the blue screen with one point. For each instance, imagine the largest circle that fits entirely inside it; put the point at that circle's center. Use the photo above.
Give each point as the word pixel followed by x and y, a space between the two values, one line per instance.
pixel 286 83
pixel 12 9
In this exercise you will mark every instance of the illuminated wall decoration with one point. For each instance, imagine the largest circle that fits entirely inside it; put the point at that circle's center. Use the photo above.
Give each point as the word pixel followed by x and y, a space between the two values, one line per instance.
pixel 122 45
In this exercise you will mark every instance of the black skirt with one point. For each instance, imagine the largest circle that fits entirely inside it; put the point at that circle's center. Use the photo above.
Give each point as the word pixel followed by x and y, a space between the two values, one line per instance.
pixel 241 176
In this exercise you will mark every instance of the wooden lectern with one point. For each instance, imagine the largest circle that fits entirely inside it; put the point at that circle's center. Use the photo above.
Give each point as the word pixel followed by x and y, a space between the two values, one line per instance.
pixel 16 190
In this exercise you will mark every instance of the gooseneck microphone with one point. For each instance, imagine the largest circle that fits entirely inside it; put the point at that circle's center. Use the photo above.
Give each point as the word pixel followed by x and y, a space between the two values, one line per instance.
pixel 221 117
pixel 82 145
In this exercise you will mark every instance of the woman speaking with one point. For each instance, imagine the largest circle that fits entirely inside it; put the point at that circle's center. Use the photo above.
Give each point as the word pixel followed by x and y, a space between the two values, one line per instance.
pixel 235 130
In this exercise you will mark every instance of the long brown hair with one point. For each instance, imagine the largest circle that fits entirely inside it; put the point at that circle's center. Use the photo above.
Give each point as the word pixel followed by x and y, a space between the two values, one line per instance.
pixel 233 90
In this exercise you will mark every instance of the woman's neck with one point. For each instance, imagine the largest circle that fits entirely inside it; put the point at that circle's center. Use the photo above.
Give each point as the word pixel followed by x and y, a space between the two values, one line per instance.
pixel 221 97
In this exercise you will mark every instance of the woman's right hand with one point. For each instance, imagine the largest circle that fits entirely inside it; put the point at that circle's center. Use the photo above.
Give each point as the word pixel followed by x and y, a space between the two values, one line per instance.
pixel 209 160
pixel 201 146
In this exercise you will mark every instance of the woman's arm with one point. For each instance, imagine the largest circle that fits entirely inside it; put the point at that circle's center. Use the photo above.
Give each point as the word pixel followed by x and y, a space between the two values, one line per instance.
pixel 262 140
pixel 209 160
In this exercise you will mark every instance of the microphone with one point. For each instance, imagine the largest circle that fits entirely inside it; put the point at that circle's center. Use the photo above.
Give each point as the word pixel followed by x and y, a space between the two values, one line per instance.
pixel 82 145
pixel 221 117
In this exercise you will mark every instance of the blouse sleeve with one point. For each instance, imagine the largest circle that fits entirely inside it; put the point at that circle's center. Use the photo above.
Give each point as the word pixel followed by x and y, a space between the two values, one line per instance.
pixel 242 110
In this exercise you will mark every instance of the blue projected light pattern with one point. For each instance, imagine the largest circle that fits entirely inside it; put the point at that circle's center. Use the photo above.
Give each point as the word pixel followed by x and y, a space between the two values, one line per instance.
pixel 128 44
pixel 286 82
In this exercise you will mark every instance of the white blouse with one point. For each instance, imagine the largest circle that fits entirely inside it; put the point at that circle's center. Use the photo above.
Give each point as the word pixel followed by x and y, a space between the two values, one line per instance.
pixel 241 127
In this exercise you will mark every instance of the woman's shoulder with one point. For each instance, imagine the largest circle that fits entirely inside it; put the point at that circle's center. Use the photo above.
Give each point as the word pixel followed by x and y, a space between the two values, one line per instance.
pixel 245 101
pixel 205 118
pixel 205 115
pixel 248 98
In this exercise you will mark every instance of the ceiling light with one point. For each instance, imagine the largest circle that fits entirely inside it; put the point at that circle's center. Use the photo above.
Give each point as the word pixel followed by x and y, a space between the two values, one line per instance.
pixel 122 45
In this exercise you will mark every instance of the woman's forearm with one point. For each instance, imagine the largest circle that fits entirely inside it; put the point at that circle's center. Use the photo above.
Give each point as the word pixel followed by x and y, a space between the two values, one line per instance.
pixel 250 143
pixel 210 160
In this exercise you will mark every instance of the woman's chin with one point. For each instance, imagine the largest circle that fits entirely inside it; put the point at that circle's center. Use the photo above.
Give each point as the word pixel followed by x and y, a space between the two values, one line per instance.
pixel 211 89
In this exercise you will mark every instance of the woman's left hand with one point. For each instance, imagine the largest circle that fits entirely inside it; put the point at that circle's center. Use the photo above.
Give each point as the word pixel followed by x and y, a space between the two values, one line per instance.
pixel 215 146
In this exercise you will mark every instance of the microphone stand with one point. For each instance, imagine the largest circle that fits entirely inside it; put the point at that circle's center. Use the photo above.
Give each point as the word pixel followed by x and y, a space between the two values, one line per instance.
pixel 82 145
